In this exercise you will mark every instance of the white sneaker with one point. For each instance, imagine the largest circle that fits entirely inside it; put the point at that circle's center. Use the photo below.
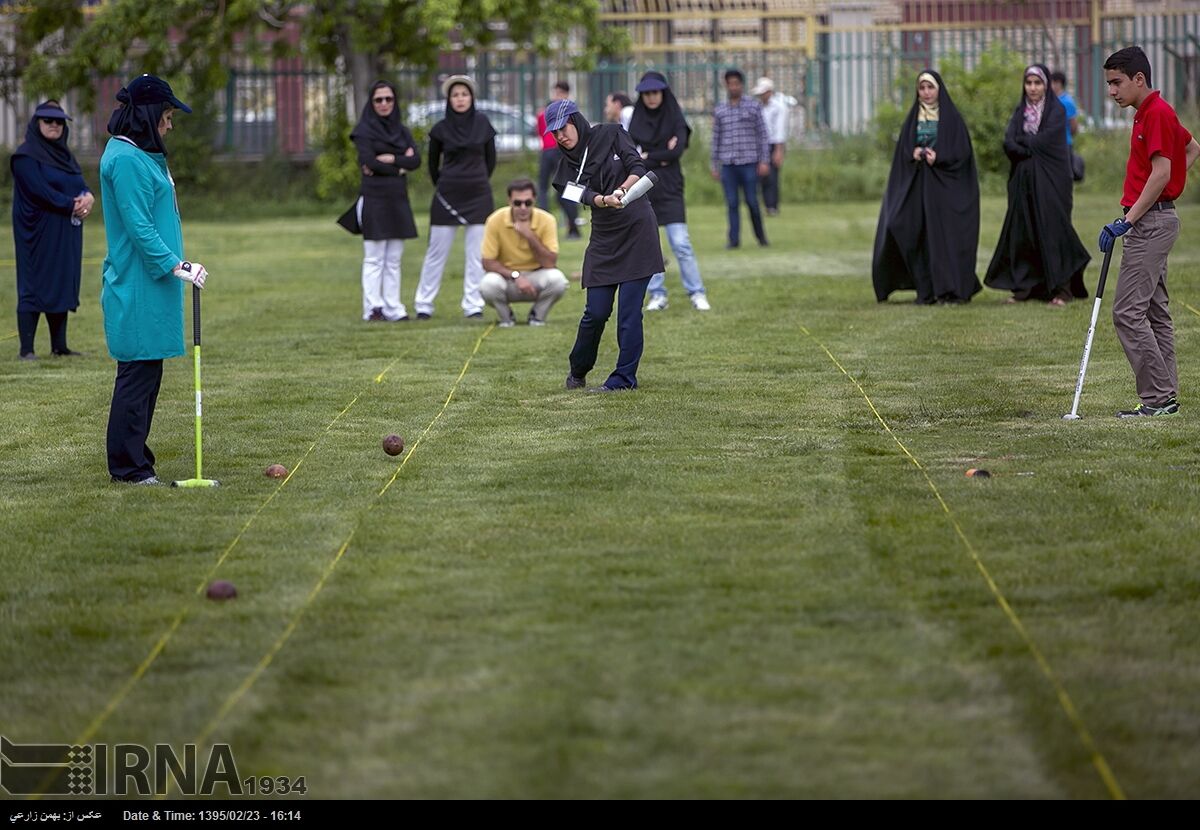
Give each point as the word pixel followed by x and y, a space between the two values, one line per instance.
pixel 700 302
pixel 506 324
pixel 657 302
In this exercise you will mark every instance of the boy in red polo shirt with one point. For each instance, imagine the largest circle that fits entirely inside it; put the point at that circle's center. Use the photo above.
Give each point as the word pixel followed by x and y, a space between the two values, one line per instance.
pixel 1160 153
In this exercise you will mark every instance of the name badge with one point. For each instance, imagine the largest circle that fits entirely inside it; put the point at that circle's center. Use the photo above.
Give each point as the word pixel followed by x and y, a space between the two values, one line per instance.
pixel 573 192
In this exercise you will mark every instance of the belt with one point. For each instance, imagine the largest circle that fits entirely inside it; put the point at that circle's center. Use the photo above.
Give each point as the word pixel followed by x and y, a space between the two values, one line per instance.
pixel 1155 206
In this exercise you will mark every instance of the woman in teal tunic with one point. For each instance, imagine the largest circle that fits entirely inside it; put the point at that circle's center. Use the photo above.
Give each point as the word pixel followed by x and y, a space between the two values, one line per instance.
pixel 144 271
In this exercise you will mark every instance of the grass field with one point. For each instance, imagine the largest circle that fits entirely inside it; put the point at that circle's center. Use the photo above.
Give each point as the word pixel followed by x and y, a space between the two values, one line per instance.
pixel 736 582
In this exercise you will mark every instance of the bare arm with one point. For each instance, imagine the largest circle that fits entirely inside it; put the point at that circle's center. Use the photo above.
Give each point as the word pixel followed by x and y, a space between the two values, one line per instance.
pixel 1160 175
pixel 496 267
pixel 1193 152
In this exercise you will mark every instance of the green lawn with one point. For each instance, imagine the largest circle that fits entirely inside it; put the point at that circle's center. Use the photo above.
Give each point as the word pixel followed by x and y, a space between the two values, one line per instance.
pixel 732 582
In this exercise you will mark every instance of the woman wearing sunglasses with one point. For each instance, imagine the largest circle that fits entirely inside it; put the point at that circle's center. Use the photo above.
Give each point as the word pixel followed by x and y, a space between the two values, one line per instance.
pixel 50 203
pixel 386 153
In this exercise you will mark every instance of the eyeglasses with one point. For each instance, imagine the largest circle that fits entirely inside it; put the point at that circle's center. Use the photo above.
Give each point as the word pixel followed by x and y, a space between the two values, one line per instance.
pixel 386 100
pixel 54 121
pixel 522 202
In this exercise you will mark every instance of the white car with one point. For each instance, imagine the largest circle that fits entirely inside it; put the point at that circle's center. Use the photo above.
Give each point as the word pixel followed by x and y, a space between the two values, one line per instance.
pixel 514 131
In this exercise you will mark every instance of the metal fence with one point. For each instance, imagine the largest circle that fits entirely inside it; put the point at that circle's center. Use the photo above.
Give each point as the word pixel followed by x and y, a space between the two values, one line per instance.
pixel 833 61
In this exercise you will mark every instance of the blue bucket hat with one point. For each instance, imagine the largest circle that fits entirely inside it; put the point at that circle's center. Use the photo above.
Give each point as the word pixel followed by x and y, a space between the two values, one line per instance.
pixel 148 89
pixel 51 111
pixel 557 115
pixel 651 82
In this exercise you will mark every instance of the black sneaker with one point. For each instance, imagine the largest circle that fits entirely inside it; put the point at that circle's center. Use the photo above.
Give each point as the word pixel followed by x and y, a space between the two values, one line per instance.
pixel 475 315
pixel 1147 411
pixel 421 315
pixel 575 383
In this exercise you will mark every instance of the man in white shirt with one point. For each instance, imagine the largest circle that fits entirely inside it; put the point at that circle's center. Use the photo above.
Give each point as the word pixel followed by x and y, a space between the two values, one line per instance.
pixel 775 113
pixel 618 109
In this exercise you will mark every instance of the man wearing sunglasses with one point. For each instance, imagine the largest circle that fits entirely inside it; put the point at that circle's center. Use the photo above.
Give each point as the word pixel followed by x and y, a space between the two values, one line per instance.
pixel 520 252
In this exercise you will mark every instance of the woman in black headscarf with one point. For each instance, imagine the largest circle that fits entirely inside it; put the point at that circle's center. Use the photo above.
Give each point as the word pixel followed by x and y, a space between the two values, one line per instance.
pixel 1039 255
pixel 386 153
pixel 50 202
pixel 462 194
pixel 928 229
pixel 598 166
pixel 661 132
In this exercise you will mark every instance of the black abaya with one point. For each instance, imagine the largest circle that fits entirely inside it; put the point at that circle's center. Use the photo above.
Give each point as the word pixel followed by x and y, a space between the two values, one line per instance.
pixel 1039 255
pixel 928 231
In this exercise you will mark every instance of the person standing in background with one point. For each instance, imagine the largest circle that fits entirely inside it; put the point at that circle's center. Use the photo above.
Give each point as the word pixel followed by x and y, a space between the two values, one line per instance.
pixel 661 132
pixel 462 194
pixel 50 203
pixel 775 114
pixel 549 165
pixel 618 109
pixel 386 154
pixel 1058 84
pixel 740 155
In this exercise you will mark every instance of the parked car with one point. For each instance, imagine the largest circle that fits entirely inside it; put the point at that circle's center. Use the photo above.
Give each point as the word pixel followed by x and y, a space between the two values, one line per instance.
pixel 514 131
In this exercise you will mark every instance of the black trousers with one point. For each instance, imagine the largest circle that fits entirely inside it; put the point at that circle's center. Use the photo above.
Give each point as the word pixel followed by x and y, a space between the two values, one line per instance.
pixel 546 168
pixel 135 394
pixel 27 322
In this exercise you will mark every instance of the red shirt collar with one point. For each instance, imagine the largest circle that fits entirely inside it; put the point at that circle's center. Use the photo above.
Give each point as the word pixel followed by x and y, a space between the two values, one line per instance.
pixel 1153 96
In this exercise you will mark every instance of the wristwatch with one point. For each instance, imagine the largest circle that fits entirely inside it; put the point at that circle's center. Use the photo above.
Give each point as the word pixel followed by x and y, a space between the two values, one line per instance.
pixel 515 274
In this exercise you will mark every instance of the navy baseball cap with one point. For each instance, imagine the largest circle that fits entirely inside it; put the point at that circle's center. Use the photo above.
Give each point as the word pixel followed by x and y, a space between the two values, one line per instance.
pixel 557 115
pixel 49 110
pixel 148 89
pixel 651 82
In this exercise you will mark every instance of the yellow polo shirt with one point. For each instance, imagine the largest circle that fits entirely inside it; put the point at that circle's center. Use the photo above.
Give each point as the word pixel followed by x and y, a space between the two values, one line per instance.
pixel 501 241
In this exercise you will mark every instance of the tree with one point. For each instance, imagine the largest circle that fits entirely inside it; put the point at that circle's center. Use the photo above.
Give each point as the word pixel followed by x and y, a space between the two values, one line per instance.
pixel 61 48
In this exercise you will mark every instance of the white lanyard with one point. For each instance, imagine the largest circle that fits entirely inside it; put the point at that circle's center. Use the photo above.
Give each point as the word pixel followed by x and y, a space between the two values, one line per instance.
pixel 579 177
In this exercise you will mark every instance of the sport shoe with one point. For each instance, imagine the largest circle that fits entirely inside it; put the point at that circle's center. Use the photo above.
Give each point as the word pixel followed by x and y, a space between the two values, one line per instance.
pixel 376 316
pixel 1145 410
pixel 421 315
pixel 144 482
pixel 533 321
pixel 700 302
pixel 506 324
pixel 575 383
pixel 657 302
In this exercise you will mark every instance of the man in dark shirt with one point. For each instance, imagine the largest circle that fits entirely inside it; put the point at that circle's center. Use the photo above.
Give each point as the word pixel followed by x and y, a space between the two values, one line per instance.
pixel 740 154
pixel 1160 153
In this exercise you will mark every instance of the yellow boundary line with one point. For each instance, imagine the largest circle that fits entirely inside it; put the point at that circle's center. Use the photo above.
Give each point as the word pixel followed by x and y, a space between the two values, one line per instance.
pixel 123 692
pixel 1191 309
pixel 1060 690
pixel 9 336
pixel 281 641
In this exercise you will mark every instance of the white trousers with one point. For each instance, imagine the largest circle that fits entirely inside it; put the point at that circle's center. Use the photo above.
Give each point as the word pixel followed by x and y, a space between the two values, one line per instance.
pixel 501 292
pixel 441 237
pixel 381 278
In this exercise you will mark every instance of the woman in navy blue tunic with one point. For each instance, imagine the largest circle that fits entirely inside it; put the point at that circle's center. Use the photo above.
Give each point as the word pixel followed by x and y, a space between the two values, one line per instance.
pixel 50 203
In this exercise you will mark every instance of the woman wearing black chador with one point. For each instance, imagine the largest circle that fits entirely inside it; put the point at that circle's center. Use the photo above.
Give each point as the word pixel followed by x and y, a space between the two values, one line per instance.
pixel 928 229
pixel 1039 255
